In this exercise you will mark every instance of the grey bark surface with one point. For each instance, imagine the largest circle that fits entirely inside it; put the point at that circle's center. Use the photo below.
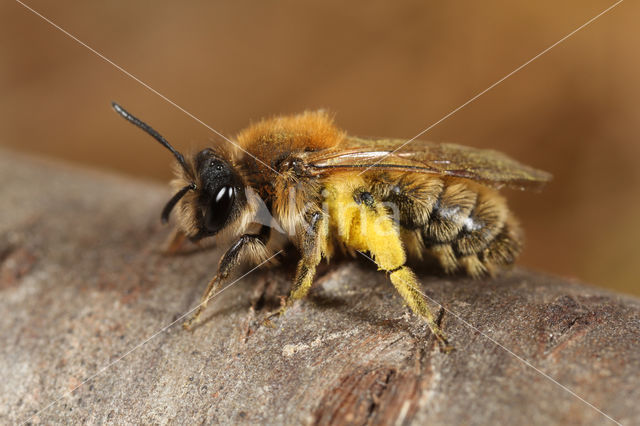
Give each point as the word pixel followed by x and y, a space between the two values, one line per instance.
pixel 86 293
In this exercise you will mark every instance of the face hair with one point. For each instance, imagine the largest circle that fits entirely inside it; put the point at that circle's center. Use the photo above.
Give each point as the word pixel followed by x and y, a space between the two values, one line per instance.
pixel 166 211
pixel 157 136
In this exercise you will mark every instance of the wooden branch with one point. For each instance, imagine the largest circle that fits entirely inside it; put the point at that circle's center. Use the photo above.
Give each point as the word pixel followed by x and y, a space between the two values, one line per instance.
pixel 85 293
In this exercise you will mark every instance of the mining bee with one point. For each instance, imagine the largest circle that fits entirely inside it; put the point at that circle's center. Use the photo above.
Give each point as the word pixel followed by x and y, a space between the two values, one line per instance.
pixel 329 192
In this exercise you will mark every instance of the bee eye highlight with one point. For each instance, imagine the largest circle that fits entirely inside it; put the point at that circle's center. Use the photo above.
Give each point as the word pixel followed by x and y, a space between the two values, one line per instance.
pixel 224 192
pixel 219 209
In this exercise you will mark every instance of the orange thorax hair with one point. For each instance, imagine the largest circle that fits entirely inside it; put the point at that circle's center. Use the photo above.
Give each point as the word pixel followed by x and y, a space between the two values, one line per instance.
pixel 276 137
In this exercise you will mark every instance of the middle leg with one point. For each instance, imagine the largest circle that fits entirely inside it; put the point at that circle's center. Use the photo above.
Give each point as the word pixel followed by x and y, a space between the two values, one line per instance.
pixel 312 240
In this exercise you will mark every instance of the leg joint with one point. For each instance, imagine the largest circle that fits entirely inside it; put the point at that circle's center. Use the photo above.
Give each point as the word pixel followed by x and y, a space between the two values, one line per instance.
pixel 391 271
pixel 360 196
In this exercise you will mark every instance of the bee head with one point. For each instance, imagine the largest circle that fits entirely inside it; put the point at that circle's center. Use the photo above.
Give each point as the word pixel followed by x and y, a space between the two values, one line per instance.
pixel 210 189
pixel 219 194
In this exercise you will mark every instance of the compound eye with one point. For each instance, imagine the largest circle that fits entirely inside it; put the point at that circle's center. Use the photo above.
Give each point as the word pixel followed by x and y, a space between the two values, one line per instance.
pixel 220 209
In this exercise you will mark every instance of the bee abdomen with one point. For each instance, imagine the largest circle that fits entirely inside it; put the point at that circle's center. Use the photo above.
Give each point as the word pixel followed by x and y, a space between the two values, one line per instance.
pixel 505 247
pixel 471 228
pixel 447 219
pixel 482 225
pixel 464 225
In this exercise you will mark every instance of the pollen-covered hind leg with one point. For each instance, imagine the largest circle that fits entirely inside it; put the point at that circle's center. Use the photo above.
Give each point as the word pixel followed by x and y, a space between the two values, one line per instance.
pixel 405 281
pixel 366 226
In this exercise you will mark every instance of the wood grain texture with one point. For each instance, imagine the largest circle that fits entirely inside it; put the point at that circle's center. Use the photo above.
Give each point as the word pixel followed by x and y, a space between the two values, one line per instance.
pixel 83 283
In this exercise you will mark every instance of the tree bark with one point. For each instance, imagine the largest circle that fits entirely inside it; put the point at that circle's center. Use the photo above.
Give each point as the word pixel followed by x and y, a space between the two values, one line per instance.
pixel 85 293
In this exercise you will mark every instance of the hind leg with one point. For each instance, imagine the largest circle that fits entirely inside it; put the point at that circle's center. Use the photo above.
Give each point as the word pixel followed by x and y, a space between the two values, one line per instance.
pixel 368 227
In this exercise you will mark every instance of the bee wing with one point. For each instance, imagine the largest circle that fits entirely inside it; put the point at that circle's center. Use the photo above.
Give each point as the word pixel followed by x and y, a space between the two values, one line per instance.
pixel 490 167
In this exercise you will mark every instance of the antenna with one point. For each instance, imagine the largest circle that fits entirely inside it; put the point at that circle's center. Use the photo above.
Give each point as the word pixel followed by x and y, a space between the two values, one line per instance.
pixel 166 211
pixel 157 136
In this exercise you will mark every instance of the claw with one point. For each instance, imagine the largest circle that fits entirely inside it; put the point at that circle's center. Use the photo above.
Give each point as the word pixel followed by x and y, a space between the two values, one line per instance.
pixel 285 304
pixel 443 343
pixel 187 325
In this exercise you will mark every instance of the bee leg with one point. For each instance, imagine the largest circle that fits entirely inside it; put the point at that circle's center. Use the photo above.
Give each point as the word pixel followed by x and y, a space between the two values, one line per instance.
pixel 253 244
pixel 312 240
pixel 212 288
pixel 377 234
pixel 173 244
pixel 405 281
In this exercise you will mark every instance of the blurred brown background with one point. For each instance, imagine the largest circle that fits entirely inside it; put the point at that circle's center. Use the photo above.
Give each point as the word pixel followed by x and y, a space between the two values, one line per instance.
pixel 385 69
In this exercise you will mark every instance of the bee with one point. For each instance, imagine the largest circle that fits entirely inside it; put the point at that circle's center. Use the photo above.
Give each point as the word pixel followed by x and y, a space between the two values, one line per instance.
pixel 329 192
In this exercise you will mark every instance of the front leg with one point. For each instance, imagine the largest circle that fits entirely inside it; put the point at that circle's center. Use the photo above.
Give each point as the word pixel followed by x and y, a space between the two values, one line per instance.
pixel 253 244
pixel 174 242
